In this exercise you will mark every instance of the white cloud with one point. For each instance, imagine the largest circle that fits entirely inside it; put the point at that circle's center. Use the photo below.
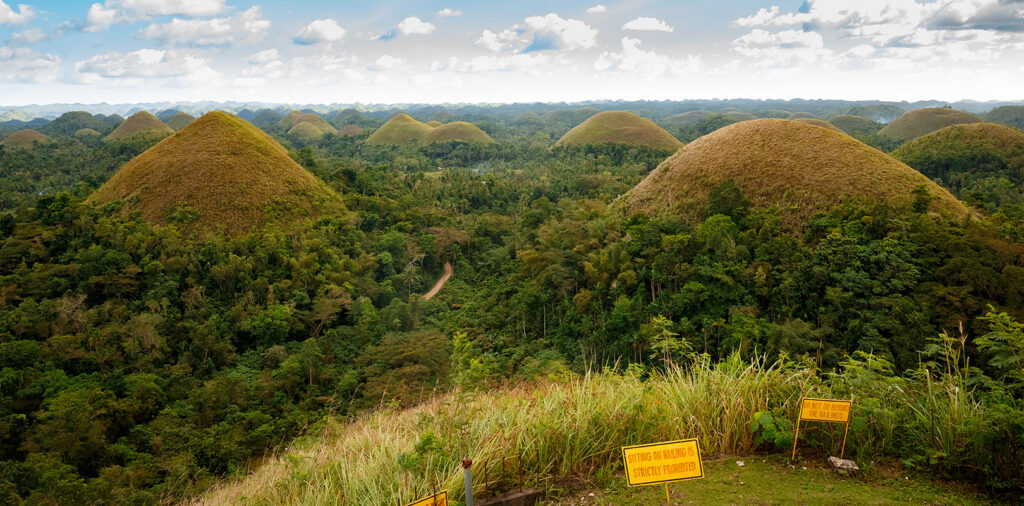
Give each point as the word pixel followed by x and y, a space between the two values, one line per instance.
pixel 100 18
pixel 190 8
pixel 248 26
pixel 147 63
pixel 319 31
pixel 645 64
pixel 785 48
pixel 530 64
pixel 8 16
pixel 498 41
pixel 387 62
pixel 447 12
pixel 647 24
pixel 264 64
pixel 27 66
pixel 413 25
pixel 553 32
pixel 597 9
pixel 32 36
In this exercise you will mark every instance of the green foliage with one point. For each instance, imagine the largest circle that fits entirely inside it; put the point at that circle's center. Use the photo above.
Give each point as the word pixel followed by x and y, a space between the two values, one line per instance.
pixel 769 429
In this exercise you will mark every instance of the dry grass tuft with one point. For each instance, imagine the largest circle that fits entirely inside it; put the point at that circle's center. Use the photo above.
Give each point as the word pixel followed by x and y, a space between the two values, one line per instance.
pixel 797 169
pixel 23 139
pixel 141 123
pixel 914 124
pixel 233 174
pixel 619 127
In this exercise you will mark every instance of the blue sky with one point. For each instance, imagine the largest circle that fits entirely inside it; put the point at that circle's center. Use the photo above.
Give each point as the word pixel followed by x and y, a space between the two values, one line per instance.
pixel 122 51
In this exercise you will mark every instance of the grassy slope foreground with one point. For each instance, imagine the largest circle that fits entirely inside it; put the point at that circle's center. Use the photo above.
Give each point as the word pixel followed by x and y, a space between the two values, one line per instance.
pixel 798 168
pixel 234 175
pixel 572 430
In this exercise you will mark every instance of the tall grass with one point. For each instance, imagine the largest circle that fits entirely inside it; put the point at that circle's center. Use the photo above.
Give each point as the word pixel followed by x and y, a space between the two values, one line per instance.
pixel 540 434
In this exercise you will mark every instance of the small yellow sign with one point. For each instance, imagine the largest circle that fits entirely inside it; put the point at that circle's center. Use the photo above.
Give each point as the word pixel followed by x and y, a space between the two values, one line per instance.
pixel 821 410
pixel 656 463
pixel 439 499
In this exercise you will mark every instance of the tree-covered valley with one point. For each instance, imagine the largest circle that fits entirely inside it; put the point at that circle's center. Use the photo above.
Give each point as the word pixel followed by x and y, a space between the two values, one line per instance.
pixel 143 360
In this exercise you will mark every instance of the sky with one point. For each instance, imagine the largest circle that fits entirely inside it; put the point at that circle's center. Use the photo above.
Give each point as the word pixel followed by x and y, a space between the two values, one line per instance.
pixel 387 52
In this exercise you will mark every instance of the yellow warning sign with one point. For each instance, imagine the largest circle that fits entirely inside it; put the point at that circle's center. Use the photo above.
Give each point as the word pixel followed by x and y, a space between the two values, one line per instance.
pixel 821 410
pixel 662 462
pixel 440 499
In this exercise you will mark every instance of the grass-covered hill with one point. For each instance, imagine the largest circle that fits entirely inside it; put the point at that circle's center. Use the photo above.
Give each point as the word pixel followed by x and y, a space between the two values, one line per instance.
pixel 180 120
pixel 403 129
pixel 773 113
pixel 798 169
pixel 23 139
pixel 569 116
pixel 306 132
pixel 140 124
pixel 960 153
pixel 619 127
pixel 350 130
pixel 70 122
pixel 820 123
pixel 798 115
pixel 740 116
pixel 687 118
pixel 914 124
pixel 433 123
pixel 219 173
pixel 1010 115
pixel 882 113
pixel 295 117
pixel 87 133
pixel 851 124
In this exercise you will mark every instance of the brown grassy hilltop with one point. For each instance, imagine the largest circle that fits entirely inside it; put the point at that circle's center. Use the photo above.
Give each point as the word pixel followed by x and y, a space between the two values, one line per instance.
pixel 295 117
pixel 850 123
pixel 403 129
pixel 819 123
pixel 350 130
pixel 306 132
pixel 619 127
pixel 141 123
pixel 233 174
pixel 793 167
pixel 23 139
pixel 180 120
pixel 914 124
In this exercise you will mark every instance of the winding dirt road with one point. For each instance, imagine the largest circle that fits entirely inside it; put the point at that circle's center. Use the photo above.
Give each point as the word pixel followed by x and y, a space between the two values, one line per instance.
pixel 440 281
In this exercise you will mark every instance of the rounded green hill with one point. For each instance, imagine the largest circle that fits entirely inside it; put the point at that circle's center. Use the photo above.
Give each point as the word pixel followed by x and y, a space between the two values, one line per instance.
pixel 819 123
pixel 773 113
pixel 220 174
pixel 70 122
pixel 86 132
pixel 914 124
pixel 958 152
pixel 306 132
pixel 800 115
pixel 851 124
pixel 405 130
pixel 619 127
pixel 796 168
pixel 740 116
pixel 180 120
pixel 295 117
pixel 350 130
pixel 1009 115
pixel 23 139
pixel 140 124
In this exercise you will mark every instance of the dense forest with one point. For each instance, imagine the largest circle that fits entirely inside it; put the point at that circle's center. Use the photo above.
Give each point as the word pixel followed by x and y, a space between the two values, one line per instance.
pixel 141 363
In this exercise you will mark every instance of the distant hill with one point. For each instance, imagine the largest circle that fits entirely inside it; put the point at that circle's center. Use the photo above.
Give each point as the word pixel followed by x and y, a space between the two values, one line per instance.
pixel 799 115
pixel 796 168
pixel 350 130
pixel 773 113
pixel 854 124
pixel 1009 115
pixel 619 127
pixel 820 123
pixel 220 173
pixel 353 117
pixel 740 116
pixel 306 132
pixel 882 113
pixel 958 153
pixel 433 124
pixel 913 124
pixel 70 122
pixel 263 118
pixel 568 117
pixel 141 123
pixel 179 121
pixel 87 132
pixel 441 116
pixel 403 129
pixel 687 118
pixel 295 117
pixel 23 139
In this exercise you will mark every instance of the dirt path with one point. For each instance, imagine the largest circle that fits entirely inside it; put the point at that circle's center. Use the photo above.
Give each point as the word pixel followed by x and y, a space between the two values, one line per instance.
pixel 440 282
